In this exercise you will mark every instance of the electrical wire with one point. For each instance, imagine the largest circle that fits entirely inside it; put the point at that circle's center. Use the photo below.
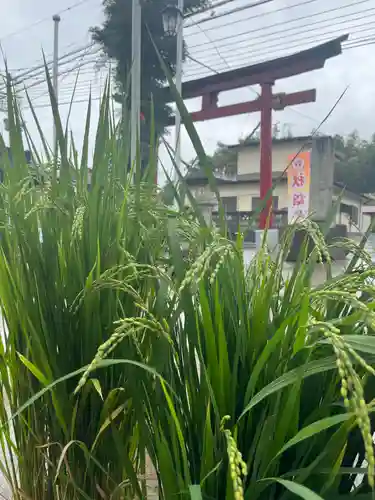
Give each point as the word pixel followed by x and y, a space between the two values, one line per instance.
pixel 256 16
pixel 274 51
pixel 29 83
pixel 215 48
pixel 44 19
pixel 38 70
pixel 362 42
pixel 69 95
pixel 302 30
pixel 222 57
pixel 29 71
pixel 281 23
pixel 17 81
pixel 266 50
pixel 251 89
pixel 90 80
pixel 216 43
pixel 206 9
pixel 233 11
pixel 40 60
pixel 40 82
pixel 67 103
pixel 74 86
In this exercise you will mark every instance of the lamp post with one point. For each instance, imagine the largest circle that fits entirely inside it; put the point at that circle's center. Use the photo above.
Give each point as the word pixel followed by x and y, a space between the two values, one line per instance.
pixel 55 72
pixel 135 79
pixel 173 23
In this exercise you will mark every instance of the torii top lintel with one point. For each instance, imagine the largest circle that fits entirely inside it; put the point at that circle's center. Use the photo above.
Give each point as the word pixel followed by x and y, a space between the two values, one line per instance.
pixel 265 72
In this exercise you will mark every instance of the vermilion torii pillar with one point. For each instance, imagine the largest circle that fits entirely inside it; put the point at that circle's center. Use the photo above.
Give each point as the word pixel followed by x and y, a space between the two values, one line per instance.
pixel 265 74
pixel 266 153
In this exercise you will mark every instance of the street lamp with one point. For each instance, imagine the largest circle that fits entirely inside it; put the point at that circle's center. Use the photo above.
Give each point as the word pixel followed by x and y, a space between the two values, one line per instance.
pixel 55 73
pixel 135 104
pixel 173 24
pixel 171 14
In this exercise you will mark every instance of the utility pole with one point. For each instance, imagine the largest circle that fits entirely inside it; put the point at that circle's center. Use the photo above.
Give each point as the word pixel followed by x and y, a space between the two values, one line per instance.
pixel 178 82
pixel 266 154
pixel 56 20
pixel 135 79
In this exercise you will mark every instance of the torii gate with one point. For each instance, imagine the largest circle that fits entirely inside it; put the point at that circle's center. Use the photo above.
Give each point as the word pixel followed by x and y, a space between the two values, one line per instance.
pixel 265 74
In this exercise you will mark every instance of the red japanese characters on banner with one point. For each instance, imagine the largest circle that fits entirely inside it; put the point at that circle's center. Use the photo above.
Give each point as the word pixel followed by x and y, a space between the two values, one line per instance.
pixel 298 185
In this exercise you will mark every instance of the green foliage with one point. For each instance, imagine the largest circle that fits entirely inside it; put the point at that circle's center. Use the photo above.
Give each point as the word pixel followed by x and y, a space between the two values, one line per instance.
pixel 355 167
pixel 78 253
pixel 114 36
pixel 247 345
pixel 134 328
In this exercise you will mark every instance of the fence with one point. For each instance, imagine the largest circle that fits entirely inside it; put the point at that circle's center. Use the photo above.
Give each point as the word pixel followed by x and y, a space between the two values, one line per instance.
pixel 248 222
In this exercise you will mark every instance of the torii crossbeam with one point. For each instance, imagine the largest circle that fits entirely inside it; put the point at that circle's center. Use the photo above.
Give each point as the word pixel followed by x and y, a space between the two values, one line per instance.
pixel 265 74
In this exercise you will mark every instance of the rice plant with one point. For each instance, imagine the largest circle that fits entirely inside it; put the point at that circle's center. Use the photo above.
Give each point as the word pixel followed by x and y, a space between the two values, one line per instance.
pixel 79 245
pixel 134 328
pixel 266 386
pixel 270 380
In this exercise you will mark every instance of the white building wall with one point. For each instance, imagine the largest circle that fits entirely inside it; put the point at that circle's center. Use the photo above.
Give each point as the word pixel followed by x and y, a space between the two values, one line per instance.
pixel 343 218
pixel 248 161
pixel 244 192
pixel 366 221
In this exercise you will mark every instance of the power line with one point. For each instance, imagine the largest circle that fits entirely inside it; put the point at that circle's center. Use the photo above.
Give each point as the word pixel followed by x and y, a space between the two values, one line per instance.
pixel 74 98
pixel 281 23
pixel 269 53
pixel 76 86
pixel 362 42
pixel 85 83
pixel 66 103
pixel 38 70
pixel 206 9
pixel 40 21
pixel 70 71
pixel 198 75
pixel 204 65
pixel 250 88
pixel 72 90
pixel 233 11
pixel 280 34
pixel 303 29
pixel 195 75
pixel 82 53
pixel 256 16
pixel 221 56
pixel 40 60
pixel 34 73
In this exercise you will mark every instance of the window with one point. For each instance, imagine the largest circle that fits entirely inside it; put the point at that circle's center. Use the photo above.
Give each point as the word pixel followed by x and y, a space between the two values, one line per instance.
pixel 351 210
pixel 255 202
pixel 355 217
pixel 229 203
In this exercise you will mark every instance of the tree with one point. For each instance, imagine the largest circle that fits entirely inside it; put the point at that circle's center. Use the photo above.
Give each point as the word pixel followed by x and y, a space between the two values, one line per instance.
pixel 355 165
pixel 114 36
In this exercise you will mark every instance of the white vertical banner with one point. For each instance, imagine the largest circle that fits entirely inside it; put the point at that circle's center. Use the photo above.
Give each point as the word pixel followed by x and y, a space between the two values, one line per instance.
pixel 299 185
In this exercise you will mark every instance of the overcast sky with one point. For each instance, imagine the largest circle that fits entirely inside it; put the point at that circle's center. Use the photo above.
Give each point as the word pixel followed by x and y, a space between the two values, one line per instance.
pixel 271 30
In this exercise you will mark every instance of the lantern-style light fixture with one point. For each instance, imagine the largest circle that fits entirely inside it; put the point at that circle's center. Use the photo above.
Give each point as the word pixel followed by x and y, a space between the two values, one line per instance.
pixel 170 15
